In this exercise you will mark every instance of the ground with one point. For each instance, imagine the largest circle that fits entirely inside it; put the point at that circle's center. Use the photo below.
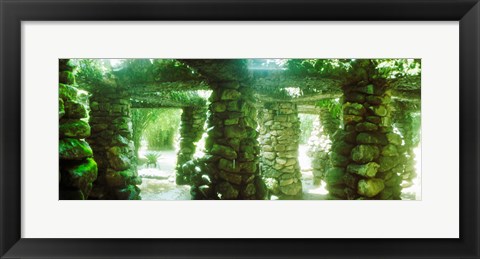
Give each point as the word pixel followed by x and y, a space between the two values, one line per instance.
pixel 159 183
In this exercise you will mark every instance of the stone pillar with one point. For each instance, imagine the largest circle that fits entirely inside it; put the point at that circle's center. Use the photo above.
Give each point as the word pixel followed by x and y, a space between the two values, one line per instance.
pixel 230 168
pixel 280 133
pixel 318 147
pixel 77 167
pixel 112 145
pixel 366 157
pixel 191 130
pixel 320 143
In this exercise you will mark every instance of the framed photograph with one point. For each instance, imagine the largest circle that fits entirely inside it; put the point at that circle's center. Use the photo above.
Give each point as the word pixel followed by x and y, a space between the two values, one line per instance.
pixel 239 129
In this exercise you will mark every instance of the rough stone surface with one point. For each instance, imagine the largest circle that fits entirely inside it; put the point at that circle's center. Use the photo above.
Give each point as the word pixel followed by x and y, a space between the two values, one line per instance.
pixel 365 153
pixel 372 168
pixel 78 170
pixel 335 176
pixel 74 129
pixel 74 149
pixel 231 160
pixel 279 138
pixel 370 187
pixel 366 170
pixel 191 130
pixel 113 148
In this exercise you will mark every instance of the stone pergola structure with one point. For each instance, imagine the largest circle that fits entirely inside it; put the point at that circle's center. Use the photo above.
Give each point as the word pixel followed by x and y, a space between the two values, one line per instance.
pixel 253 135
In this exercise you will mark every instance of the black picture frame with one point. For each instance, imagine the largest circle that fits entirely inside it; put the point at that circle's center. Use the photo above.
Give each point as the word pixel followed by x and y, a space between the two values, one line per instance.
pixel 13 12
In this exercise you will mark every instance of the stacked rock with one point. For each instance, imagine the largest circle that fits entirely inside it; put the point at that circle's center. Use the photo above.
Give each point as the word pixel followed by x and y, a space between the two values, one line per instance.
pixel 230 169
pixel 112 145
pixel 365 155
pixel 77 167
pixel 191 130
pixel 279 137
pixel 318 150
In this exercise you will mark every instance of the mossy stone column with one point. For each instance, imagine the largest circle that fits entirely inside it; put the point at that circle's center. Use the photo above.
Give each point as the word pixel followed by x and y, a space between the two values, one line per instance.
pixel 280 134
pixel 112 145
pixel 365 155
pixel 78 169
pixel 230 168
pixel 191 130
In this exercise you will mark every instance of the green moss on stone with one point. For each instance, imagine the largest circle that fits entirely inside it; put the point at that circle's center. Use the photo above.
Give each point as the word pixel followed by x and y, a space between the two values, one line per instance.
pixel 67 92
pixel 334 176
pixel 365 170
pixel 79 175
pixel 74 129
pixel 365 153
pixel 366 126
pixel 370 187
pixel 74 149
pixel 66 77
pixel 61 108
pixel 223 151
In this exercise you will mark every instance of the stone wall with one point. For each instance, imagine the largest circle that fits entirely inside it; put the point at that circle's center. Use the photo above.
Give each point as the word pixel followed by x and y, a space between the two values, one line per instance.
pixel 279 139
pixel 230 168
pixel 191 130
pixel 112 145
pixel 77 167
pixel 367 154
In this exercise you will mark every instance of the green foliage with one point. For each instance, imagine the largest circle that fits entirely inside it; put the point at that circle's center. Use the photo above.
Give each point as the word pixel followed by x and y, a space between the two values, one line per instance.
pixel 157 126
pixel 266 64
pixel 395 68
pixel 340 68
pixel 306 126
pixel 141 118
pixel 161 132
pixel 187 97
pixel 137 71
pixel 168 70
pixel 331 68
pixel 92 72
pixel 330 115
pixel 152 157
pixel 332 105
pixel 100 72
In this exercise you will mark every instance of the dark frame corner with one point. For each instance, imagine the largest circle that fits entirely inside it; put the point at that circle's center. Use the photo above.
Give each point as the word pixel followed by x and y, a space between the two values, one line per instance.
pixel 12 12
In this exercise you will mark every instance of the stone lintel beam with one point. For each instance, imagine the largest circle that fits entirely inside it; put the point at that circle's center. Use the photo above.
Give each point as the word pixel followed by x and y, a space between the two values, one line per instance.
pixel 409 96
pixel 307 85
pixel 305 99
pixel 308 109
